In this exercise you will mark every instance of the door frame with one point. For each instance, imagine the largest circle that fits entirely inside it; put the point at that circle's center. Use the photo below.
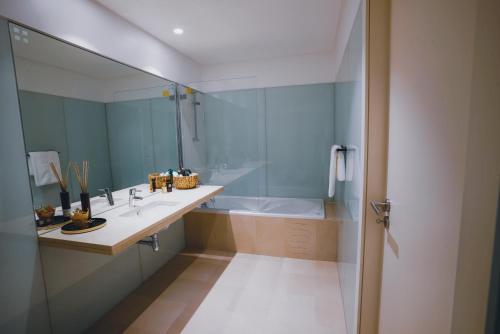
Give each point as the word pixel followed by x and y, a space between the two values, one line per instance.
pixel 377 47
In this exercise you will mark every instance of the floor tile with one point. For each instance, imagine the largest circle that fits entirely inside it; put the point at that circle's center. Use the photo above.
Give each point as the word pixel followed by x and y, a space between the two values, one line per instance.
pixel 159 316
pixel 225 293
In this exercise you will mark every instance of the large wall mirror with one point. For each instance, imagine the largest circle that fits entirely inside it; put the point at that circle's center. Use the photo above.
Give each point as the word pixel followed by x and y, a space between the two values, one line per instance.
pixel 87 107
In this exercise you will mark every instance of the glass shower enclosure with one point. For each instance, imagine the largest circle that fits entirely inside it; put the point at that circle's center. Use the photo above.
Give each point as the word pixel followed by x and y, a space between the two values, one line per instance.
pixel 269 147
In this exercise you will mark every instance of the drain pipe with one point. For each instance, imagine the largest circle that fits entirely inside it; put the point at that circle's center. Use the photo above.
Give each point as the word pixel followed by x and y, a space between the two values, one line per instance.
pixel 154 242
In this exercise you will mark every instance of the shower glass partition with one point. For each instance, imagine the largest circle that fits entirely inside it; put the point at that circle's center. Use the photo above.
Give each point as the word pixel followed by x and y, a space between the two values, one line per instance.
pixel 223 140
pixel 269 147
pixel 349 129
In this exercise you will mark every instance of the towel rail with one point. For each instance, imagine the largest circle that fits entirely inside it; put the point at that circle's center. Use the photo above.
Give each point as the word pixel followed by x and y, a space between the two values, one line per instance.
pixel 344 148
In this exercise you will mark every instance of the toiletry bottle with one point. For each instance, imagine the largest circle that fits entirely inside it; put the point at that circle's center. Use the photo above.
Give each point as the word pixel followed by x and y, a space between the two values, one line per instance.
pixel 170 180
pixel 65 204
pixel 153 184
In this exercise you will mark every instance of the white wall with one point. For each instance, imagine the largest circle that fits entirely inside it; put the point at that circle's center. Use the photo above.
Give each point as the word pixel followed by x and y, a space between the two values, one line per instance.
pixel 285 71
pixel 92 26
pixel 482 181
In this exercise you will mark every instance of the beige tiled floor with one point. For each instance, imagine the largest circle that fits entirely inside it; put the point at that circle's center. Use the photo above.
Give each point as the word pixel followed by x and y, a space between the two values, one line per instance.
pixel 242 294
pixel 263 294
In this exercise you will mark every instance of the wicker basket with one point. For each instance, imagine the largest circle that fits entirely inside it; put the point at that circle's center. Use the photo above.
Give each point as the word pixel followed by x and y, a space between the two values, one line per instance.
pixel 186 182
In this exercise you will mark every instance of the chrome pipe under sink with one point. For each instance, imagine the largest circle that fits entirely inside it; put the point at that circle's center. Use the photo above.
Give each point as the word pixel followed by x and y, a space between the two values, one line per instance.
pixel 154 242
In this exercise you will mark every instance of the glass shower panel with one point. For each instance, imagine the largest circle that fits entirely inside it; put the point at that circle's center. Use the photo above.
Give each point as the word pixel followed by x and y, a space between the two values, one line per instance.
pixel 194 143
pixel 260 143
pixel 299 124
pixel 349 124
pixel 223 136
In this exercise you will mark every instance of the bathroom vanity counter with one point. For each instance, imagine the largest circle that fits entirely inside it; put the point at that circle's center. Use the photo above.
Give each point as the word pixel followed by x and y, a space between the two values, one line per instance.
pixel 99 204
pixel 126 226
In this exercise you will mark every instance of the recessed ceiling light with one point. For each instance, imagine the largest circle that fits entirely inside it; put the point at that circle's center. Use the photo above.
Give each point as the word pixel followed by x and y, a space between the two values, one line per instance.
pixel 178 31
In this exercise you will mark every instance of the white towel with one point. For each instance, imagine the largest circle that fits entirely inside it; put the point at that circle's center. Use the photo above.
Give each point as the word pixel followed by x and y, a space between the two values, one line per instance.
pixel 332 176
pixel 38 162
pixel 341 166
pixel 30 166
pixel 350 162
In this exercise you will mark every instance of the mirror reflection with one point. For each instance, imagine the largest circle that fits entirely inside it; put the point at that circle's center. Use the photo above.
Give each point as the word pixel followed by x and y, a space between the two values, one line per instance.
pixel 82 110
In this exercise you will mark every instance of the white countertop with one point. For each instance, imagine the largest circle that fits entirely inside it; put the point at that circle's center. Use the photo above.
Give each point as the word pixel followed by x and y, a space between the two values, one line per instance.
pixel 125 226
pixel 99 204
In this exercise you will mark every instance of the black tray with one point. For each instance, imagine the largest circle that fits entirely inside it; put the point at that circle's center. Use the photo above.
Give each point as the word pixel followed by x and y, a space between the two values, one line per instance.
pixel 94 224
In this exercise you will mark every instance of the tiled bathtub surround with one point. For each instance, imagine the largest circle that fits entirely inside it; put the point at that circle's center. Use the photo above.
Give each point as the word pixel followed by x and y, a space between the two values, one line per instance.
pixel 296 238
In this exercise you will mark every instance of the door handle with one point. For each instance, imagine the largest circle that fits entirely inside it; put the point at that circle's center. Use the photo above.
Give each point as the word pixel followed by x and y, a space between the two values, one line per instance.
pixel 382 208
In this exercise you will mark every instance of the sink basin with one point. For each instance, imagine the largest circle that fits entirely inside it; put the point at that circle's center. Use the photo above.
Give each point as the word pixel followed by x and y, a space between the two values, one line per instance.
pixel 149 209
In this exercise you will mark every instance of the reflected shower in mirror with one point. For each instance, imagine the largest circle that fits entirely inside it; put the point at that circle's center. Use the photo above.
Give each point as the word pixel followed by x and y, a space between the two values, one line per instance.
pixel 79 106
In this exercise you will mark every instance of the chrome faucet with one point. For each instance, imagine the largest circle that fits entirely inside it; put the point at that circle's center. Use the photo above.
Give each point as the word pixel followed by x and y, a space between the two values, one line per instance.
pixel 108 194
pixel 132 197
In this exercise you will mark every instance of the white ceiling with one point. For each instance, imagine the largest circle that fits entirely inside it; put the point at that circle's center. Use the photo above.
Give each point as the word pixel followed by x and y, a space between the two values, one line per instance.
pixel 226 31
pixel 47 50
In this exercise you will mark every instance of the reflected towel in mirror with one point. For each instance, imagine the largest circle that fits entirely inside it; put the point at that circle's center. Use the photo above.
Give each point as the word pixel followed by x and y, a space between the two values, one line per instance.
pixel 38 163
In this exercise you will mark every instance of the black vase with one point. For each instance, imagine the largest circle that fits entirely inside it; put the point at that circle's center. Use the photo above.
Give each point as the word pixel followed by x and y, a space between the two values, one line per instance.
pixel 85 200
pixel 65 203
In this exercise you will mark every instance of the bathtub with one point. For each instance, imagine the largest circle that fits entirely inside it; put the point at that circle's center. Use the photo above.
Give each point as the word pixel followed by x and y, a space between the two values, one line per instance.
pixel 283 227
pixel 302 208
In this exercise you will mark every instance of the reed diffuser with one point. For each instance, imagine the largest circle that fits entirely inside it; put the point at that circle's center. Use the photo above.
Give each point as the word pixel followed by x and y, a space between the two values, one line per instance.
pixel 83 177
pixel 63 185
